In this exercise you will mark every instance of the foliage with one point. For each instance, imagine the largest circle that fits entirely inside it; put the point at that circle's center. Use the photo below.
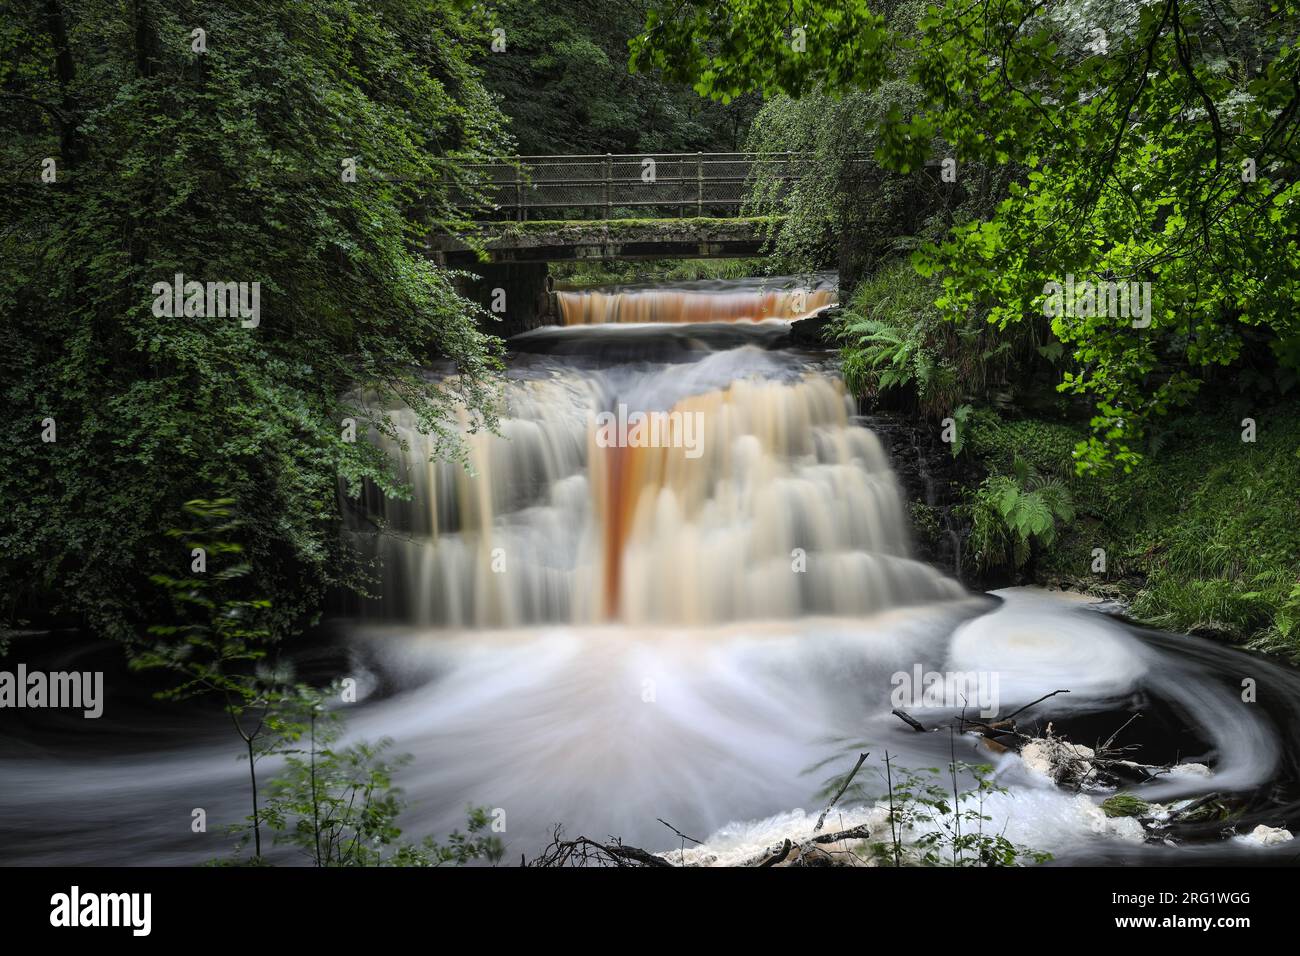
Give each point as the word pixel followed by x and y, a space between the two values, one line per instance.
pixel 895 339
pixel 1011 515
pixel 936 824
pixel 833 192
pixel 1204 534
pixel 564 82
pixel 215 625
pixel 837 203
pixel 224 165
pixel 339 806
pixel 336 802
pixel 218 638
pixel 1153 142
pixel 586 272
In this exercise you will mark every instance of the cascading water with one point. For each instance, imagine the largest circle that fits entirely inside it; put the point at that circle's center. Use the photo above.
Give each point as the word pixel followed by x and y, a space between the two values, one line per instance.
pixel 550 526
pixel 702 301
pixel 700 629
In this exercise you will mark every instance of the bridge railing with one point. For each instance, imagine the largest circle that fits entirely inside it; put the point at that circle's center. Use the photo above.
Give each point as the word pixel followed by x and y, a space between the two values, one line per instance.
pixel 682 184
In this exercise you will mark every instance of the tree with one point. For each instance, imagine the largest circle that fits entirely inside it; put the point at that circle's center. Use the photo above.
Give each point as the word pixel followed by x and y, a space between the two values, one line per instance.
pixel 1158 144
pixel 563 80
pixel 217 141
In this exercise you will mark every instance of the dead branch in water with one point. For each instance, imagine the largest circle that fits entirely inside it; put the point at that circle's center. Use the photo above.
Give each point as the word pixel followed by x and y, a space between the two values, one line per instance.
pixel 679 832
pixel 847 780
pixel 811 852
pixel 909 720
pixel 583 851
pixel 1000 727
pixel 1031 704
pixel 781 854
pixel 587 852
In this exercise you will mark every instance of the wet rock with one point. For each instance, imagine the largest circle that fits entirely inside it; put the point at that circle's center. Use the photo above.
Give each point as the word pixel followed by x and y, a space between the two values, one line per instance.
pixel 1267 836
pixel 815 330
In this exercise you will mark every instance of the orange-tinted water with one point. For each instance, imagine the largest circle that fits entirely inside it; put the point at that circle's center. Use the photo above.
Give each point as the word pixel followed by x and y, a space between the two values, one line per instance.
pixel 751 303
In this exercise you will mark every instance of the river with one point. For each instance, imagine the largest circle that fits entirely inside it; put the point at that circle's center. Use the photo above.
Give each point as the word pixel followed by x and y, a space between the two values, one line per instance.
pixel 590 629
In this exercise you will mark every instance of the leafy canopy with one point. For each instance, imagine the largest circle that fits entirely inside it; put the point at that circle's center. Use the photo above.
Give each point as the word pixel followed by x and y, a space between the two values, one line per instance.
pixel 1153 143
pixel 224 164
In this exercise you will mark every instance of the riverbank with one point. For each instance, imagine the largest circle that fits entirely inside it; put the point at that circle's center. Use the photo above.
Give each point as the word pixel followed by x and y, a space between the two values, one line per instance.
pixel 1202 536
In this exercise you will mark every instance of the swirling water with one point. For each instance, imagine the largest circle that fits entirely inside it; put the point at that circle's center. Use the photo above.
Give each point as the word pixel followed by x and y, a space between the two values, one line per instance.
pixel 605 636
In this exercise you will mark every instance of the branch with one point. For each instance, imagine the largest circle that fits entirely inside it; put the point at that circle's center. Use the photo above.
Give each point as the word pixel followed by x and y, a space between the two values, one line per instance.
pixel 909 720
pixel 679 832
pixel 847 780
pixel 1031 704
pixel 49 108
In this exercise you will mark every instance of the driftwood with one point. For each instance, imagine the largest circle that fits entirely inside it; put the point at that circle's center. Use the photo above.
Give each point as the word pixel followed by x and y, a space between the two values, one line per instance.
pixel 583 851
pixel 1032 703
pixel 587 852
pixel 999 727
pixel 1175 815
pixel 780 855
pixel 847 780
pixel 679 832
pixel 909 720
pixel 810 852
pixel 991 730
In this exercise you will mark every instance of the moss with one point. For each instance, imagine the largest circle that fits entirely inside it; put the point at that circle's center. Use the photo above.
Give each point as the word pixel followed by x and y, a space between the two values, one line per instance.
pixel 580 272
pixel 1124 805
pixel 1204 535
pixel 511 228
pixel 925 522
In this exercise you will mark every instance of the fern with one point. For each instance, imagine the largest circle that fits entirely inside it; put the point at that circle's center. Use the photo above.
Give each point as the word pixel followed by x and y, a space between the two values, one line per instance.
pixel 1013 514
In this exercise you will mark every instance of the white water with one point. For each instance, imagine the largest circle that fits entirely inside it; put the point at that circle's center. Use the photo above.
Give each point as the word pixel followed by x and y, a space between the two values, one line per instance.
pixel 650 649
pixel 550 527
pixel 783 297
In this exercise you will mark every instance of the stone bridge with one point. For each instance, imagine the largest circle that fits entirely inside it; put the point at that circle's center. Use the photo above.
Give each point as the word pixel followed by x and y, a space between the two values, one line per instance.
pixel 533 210
pixel 559 208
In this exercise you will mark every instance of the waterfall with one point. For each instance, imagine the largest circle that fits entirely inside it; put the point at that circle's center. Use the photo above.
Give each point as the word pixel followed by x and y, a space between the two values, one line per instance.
pixel 722 301
pixel 786 508
pixel 701 621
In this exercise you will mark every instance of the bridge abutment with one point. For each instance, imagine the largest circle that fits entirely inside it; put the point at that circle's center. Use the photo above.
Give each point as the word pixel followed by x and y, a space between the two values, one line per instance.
pixel 519 294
